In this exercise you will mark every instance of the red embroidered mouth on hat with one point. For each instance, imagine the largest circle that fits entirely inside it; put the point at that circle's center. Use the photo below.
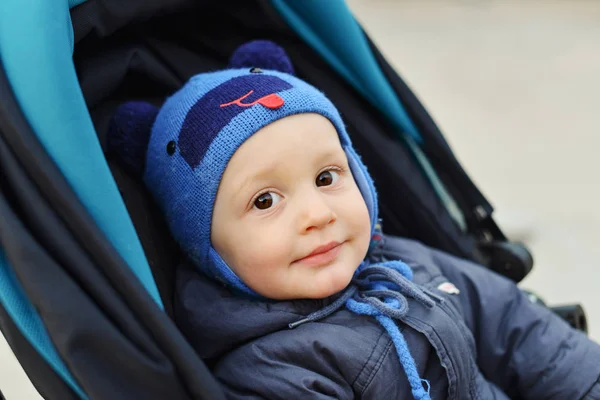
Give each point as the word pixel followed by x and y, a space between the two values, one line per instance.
pixel 271 101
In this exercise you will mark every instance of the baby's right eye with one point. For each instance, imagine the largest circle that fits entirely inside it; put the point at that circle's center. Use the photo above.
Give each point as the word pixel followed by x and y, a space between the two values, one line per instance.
pixel 266 200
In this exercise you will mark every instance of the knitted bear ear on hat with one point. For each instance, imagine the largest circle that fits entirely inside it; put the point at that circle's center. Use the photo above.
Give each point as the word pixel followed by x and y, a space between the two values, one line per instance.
pixel 261 54
pixel 129 134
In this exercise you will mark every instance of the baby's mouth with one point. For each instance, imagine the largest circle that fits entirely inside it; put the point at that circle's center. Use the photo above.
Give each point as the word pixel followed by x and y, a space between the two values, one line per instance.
pixel 322 255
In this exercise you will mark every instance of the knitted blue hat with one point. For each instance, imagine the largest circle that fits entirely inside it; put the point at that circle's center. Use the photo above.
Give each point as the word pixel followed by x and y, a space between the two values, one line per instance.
pixel 181 150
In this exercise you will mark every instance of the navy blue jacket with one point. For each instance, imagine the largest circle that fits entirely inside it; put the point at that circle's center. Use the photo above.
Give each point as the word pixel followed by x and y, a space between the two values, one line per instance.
pixel 486 342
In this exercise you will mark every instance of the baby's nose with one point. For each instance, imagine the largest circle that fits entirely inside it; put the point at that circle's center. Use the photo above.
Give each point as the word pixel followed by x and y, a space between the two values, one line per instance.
pixel 316 213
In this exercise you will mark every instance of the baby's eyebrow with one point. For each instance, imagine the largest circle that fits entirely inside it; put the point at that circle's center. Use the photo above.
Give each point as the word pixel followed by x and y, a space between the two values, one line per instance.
pixel 332 154
pixel 245 184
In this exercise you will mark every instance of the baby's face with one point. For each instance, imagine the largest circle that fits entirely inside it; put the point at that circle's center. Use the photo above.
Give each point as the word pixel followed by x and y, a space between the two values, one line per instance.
pixel 288 217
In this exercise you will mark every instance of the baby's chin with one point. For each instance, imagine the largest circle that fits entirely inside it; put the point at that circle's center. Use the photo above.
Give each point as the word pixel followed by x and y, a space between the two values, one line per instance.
pixel 312 289
pixel 325 287
pixel 332 289
pixel 330 280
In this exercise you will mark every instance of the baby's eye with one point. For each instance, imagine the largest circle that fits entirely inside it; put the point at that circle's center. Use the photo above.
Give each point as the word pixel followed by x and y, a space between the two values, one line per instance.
pixel 327 178
pixel 266 200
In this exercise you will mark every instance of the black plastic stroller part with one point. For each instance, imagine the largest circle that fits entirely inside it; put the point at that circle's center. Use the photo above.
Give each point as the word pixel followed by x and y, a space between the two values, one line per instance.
pixel 574 314
pixel 510 259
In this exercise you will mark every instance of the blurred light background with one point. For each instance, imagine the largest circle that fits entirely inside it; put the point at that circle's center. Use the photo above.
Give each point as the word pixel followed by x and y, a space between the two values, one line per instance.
pixel 515 87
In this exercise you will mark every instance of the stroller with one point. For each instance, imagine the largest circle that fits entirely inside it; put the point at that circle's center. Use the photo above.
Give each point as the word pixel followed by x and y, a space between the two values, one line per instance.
pixel 86 263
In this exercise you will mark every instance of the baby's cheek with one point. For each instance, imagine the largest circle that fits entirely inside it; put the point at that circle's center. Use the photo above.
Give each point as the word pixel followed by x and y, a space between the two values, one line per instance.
pixel 355 209
pixel 275 253
pixel 359 222
pixel 264 254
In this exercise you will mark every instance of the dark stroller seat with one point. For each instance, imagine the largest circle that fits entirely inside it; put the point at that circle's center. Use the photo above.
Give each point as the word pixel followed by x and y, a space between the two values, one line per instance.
pixel 161 250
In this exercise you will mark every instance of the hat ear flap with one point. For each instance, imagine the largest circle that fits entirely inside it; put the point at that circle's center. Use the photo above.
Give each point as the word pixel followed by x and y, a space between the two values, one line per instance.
pixel 129 134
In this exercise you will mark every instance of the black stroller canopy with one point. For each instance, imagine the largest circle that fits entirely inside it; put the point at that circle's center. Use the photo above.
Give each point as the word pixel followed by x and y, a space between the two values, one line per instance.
pixel 86 264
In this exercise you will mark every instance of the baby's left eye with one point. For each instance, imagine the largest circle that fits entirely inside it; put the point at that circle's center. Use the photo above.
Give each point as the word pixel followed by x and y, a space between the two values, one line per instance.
pixel 327 178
